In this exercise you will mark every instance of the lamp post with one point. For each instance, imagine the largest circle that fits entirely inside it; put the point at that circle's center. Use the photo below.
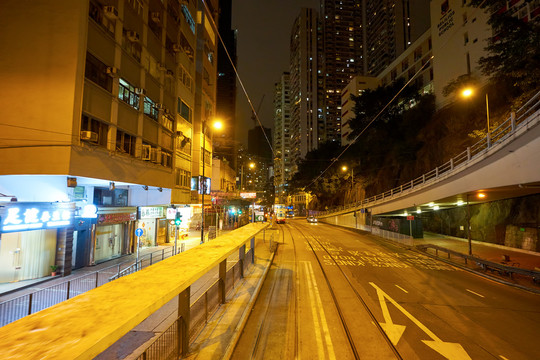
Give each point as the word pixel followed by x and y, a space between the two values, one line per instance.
pixel 468 92
pixel 345 168
pixel 216 125
pixel 480 195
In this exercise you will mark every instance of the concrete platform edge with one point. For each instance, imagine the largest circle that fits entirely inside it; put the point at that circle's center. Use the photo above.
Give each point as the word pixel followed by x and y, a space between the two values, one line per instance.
pixel 247 311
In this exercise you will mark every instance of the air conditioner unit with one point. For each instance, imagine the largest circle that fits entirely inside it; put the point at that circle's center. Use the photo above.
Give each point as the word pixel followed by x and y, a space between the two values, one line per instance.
pixel 146 150
pixel 155 155
pixel 111 12
pixel 176 48
pixel 89 136
pixel 166 112
pixel 161 67
pixel 140 91
pixel 133 36
pixel 112 71
pixel 170 73
pixel 158 106
pixel 156 17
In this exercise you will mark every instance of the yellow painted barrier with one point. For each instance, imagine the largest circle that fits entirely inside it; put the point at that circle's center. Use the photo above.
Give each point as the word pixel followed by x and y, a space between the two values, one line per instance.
pixel 86 325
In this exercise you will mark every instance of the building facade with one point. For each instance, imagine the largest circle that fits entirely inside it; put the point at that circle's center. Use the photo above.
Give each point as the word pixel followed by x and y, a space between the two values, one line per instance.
pixel 110 121
pixel 282 138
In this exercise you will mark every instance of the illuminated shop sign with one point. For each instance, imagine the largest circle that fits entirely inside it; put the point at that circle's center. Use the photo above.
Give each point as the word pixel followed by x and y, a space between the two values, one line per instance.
pixel 115 218
pixel 248 195
pixel 35 217
pixel 151 212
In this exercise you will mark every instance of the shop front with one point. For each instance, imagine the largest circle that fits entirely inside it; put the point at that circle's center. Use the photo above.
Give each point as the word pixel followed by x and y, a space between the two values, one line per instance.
pixel 114 233
pixel 34 237
pixel 153 224
pixel 186 213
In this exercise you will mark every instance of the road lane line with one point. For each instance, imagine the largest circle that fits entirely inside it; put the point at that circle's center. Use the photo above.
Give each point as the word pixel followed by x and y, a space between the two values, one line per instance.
pixel 326 331
pixel 402 289
pixel 475 293
pixel 317 328
pixel 502 357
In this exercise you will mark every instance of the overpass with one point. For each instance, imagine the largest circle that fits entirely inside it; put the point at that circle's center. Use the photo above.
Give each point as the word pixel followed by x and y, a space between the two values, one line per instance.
pixel 504 164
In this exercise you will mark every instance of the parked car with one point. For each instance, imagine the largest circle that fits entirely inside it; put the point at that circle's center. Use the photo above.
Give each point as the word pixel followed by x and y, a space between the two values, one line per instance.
pixel 311 219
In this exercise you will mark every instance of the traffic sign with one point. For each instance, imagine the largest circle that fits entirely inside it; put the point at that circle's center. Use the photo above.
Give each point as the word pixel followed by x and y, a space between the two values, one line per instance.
pixel 138 232
pixel 410 217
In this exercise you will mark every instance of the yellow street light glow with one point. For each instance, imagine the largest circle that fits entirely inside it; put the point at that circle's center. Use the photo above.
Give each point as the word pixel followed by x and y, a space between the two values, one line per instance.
pixel 459 203
pixel 467 92
pixel 218 125
pixel 344 168
pixel 252 165
pixel 481 195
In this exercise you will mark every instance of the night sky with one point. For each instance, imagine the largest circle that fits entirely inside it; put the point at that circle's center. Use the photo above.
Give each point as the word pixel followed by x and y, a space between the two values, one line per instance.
pixel 264 28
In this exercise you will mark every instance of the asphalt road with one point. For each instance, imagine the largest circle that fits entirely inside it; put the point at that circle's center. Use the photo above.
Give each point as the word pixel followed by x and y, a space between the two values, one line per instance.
pixel 336 294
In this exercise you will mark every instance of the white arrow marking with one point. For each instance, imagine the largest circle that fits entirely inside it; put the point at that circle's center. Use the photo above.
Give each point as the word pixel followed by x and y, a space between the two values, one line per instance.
pixel 451 351
pixel 393 331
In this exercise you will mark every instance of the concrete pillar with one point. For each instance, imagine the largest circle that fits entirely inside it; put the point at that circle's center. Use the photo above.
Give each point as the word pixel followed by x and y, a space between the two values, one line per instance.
pixel 222 279
pixel 183 323
pixel 241 259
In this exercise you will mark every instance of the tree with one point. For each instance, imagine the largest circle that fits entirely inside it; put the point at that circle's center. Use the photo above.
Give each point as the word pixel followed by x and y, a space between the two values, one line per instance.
pixel 513 52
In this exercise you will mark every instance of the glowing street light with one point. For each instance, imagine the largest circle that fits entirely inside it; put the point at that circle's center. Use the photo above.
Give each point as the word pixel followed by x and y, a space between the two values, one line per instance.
pixel 467 93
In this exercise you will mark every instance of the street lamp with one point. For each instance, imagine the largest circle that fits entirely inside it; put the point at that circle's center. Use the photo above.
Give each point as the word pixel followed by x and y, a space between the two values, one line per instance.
pixel 467 93
pixel 217 125
pixel 344 168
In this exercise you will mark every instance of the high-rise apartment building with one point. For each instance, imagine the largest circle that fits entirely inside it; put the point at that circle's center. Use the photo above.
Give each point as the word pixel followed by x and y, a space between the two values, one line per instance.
pixel 101 121
pixel 343 56
pixel 304 89
pixel 391 27
pixel 224 142
pixel 282 137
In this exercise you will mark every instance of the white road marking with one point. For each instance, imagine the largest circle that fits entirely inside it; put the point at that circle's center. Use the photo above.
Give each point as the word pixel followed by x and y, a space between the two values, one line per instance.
pixel 502 357
pixel 452 351
pixel 312 285
pixel 402 289
pixel 317 329
pixel 475 293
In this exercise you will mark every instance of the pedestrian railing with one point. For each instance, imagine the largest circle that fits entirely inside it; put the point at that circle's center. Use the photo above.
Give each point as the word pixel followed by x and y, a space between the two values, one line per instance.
pixel 525 116
pixel 393 236
pixel 19 307
pixel 486 265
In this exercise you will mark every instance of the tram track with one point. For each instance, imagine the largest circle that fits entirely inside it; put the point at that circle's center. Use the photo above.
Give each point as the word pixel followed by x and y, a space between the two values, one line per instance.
pixel 335 299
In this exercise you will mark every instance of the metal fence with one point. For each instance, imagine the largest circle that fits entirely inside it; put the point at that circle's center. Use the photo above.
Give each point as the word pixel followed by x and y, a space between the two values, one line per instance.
pixel 394 236
pixel 19 307
pixel 522 118
pixel 166 346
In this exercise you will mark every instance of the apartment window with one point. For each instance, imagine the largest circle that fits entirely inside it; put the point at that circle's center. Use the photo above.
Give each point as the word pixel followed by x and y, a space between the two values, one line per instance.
pixel 393 75
pixel 154 22
pixel 131 43
pixel 207 156
pixel 183 144
pixel 186 79
pixel 188 17
pixel 184 110
pixel 136 5
pixel 94 131
pixel 127 94
pixel 183 178
pixel 125 143
pixel 96 71
pixel 166 159
pixel 150 108
pixel 417 54
pixel 96 13
pixel 186 47
pixel 404 65
pixel 167 122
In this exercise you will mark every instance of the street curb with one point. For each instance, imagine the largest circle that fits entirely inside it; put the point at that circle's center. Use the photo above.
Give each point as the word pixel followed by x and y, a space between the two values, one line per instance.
pixel 247 311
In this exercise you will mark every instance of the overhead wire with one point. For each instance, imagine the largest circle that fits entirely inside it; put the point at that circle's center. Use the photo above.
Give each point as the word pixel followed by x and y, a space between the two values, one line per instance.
pixel 239 78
